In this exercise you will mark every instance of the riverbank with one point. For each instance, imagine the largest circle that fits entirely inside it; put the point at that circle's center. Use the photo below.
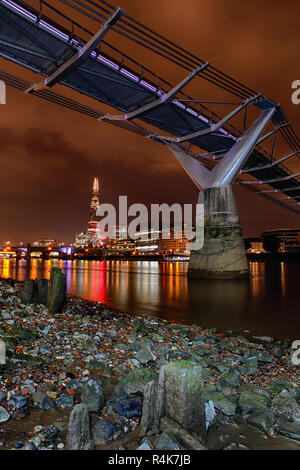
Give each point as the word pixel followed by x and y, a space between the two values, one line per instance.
pixel 104 358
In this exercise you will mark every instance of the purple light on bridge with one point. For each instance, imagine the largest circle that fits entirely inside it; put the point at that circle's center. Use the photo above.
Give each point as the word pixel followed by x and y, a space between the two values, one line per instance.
pixel 147 85
pixel 108 62
pixel 53 30
pixel 20 10
pixel 129 74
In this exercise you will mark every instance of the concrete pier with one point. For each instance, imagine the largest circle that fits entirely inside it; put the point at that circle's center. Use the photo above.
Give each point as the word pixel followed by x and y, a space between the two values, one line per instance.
pixel 223 253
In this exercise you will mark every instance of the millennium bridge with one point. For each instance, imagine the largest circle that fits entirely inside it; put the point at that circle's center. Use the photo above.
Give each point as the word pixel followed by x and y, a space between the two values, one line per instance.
pixel 228 133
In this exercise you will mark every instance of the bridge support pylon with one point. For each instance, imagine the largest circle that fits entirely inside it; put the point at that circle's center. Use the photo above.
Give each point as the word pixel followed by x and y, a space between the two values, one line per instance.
pixel 223 254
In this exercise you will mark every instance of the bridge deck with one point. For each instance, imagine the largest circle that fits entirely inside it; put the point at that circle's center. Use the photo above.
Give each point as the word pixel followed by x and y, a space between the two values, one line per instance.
pixel 41 45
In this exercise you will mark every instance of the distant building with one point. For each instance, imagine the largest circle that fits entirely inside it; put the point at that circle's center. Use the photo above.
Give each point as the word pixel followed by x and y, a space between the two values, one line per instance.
pixel 286 240
pixel 46 242
pixel 254 245
pixel 176 242
pixel 120 244
pixel 91 238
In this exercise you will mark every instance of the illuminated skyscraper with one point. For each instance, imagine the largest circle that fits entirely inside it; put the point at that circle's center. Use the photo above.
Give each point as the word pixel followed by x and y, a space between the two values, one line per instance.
pixel 95 203
pixel 91 237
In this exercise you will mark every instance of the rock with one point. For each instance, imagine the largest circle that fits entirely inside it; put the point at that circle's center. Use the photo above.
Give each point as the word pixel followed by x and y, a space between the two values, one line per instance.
pixel 232 377
pixel 4 415
pixel 144 446
pixel 65 400
pixel 22 334
pixel 250 401
pixel 144 342
pixel 29 446
pixel 102 430
pixel 41 400
pixel 41 291
pixel 290 429
pixel 286 407
pixel 168 441
pixel 144 356
pixel 222 367
pixel 277 386
pixel 57 291
pixel 6 315
pixel 223 404
pixel 29 292
pixel 2 396
pixel 129 408
pixel 188 441
pixel 262 419
pixel 79 435
pixel 210 414
pixel 147 420
pixel 134 382
pixel 17 401
pixel 180 397
pixel 92 395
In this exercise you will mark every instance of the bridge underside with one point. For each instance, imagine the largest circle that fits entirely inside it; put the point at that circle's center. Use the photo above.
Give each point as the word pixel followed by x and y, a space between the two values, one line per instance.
pixel 85 62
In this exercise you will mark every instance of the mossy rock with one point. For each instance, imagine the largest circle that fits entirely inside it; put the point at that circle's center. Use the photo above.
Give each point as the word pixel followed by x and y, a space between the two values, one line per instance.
pixel 27 359
pixel 22 334
pixel 134 382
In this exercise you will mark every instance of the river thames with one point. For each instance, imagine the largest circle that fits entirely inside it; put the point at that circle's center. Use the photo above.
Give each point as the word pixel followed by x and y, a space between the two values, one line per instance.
pixel 266 304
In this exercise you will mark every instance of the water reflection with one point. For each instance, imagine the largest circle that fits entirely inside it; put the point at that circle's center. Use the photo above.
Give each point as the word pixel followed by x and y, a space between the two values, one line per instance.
pixel 266 304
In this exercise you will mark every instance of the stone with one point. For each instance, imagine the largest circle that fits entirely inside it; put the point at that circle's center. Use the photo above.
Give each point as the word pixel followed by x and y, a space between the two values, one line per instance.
pixel 143 342
pixel 168 441
pixel 17 402
pixel 223 404
pixel 147 420
pixel 180 397
pixel 2 396
pixel 6 315
pixel 65 401
pixel 250 401
pixel 102 430
pixel 186 439
pixel 210 414
pixel 41 400
pixel 290 429
pixel 79 434
pixel 232 377
pixel 22 334
pixel 4 415
pixel 41 291
pixel 134 382
pixel 144 446
pixel 286 407
pixel 262 419
pixel 56 298
pixel 92 395
pixel 277 386
pixel 144 356
pixel 129 408
pixel 29 292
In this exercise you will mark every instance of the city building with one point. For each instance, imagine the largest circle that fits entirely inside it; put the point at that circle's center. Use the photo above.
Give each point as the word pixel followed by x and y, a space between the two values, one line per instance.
pixel 254 245
pixel 91 238
pixel 158 242
pixel 120 244
pixel 46 242
pixel 282 240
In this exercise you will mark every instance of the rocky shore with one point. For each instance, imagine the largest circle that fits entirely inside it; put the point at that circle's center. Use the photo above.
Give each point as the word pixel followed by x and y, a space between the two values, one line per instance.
pixel 94 378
